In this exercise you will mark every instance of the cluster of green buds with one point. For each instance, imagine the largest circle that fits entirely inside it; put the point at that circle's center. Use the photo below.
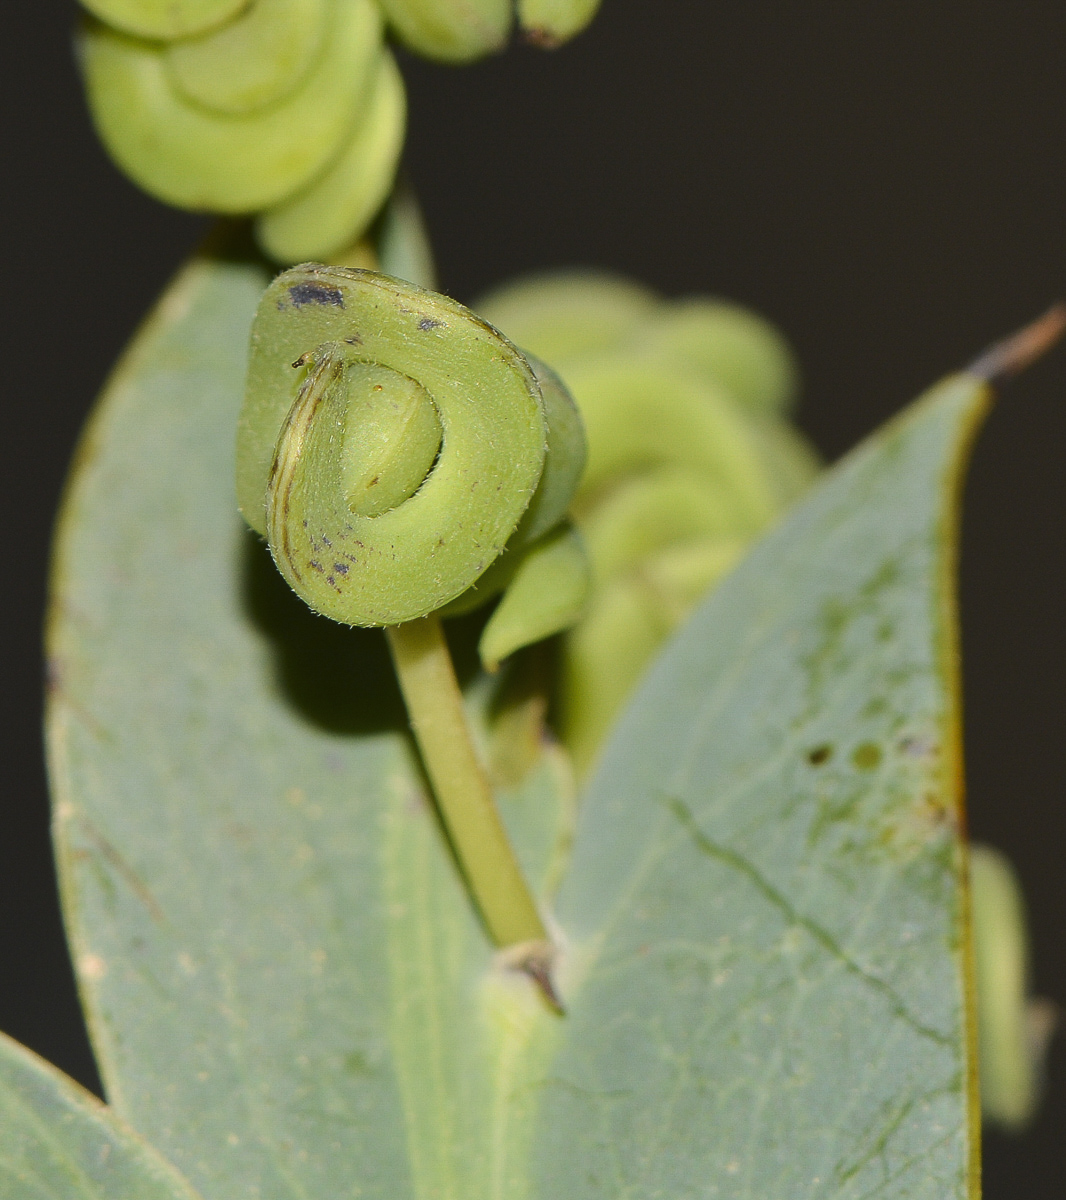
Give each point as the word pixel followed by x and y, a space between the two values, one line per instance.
pixel 289 110
pixel 691 456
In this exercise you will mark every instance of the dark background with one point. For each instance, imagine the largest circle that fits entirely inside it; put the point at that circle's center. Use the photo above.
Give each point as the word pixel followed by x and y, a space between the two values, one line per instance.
pixel 885 179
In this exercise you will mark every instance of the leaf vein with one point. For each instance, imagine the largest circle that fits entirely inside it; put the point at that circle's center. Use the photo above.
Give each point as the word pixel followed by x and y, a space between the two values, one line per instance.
pixel 823 937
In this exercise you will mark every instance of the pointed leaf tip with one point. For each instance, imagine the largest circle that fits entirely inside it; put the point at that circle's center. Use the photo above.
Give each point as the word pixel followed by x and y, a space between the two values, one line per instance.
pixel 1019 351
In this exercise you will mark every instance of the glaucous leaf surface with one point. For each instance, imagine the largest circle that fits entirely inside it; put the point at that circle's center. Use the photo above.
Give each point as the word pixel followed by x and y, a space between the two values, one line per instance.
pixel 767 981
pixel 287 989
pixel 57 1142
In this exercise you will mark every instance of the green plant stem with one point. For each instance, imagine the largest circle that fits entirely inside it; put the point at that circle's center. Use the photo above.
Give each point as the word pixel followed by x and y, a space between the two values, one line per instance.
pixel 464 795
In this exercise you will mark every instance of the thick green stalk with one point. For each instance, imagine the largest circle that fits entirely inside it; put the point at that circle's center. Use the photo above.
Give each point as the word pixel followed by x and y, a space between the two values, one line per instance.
pixel 464 795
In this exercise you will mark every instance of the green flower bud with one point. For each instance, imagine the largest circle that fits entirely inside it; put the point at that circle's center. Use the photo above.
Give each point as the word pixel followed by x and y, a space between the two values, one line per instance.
pixel 391 466
pixel 566 314
pixel 452 31
pixel 688 462
pixel 254 61
pixel 196 158
pixel 337 206
pixel 730 345
pixel 165 19
pixel 1013 1030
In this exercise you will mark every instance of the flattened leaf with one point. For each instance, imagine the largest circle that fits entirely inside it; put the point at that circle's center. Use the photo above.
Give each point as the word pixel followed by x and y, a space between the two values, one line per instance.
pixel 765 904
pixel 57 1142
pixel 286 987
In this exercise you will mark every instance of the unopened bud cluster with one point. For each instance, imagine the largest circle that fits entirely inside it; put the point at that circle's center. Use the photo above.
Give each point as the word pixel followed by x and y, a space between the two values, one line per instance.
pixel 690 457
pixel 289 110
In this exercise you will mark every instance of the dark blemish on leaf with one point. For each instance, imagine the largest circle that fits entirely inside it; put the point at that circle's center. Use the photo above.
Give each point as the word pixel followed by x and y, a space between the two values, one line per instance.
pixel 914 746
pixel 341 568
pixel 326 541
pixel 332 582
pixel 937 813
pixel 867 756
pixel 427 323
pixel 305 524
pixel 316 293
pixel 354 340
pixel 819 755
pixel 885 576
pixel 357 1064
pixel 315 566
pixel 241 832
pixel 930 820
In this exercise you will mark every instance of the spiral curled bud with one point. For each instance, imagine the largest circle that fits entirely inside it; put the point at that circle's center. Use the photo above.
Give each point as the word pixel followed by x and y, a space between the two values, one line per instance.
pixel 291 109
pixel 345 197
pixel 256 60
pixel 689 460
pixel 393 445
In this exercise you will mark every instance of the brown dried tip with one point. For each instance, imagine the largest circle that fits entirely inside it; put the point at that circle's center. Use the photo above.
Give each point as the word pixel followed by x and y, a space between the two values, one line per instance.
pixel 541 39
pixel 1021 349
pixel 536 960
